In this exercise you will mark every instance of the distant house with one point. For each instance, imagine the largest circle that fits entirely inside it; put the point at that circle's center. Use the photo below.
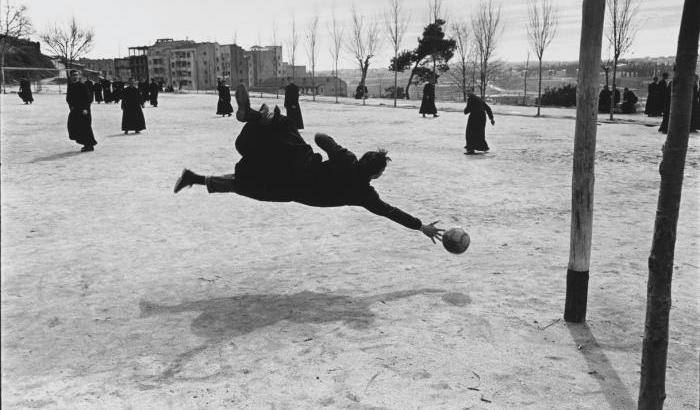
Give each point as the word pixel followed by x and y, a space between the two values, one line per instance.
pixel 325 85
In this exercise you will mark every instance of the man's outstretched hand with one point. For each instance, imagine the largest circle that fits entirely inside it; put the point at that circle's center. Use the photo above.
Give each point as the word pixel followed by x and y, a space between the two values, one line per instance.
pixel 432 232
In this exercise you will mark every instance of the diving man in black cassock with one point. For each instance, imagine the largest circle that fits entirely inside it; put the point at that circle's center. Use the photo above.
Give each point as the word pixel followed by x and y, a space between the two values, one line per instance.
pixel 291 104
pixel 476 124
pixel 224 107
pixel 277 165
pixel 79 118
pixel 132 115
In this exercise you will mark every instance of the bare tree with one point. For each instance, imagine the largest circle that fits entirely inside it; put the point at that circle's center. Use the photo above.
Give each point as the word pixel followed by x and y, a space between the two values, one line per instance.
pixel 292 47
pixel 70 43
pixel 460 32
pixel 396 23
pixel 541 29
pixel 527 68
pixel 583 177
pixel 620 33
pixel 14 23
pixel 434 10
pixel 486 27
pixel 336 35
pixel 363 44
pixel 652 390
pixel 275 43
pixel 312 50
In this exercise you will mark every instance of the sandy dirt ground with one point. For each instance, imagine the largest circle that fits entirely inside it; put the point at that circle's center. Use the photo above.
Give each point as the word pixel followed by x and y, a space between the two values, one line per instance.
pixel 117 293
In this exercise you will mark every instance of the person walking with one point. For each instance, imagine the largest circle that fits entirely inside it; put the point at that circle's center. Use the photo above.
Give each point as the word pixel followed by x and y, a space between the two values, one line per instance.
pixel 224 107
pixel 25 91
pixel 291 104
pixel 79 117
pixel 476 124
pixel 132 114
pixel 427 105
pixel 153 90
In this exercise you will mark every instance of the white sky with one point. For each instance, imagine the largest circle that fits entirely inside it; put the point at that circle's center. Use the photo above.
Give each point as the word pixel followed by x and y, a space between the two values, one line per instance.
pixel 119 24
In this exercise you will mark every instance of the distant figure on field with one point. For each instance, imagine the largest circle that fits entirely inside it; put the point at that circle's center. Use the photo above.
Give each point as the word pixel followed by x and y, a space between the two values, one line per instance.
pixel 666 102
pixel 427 106
pixel 629 102
pixel 277 165
pixel 132 114
pixel 604 100
pixel 224 106
pixel 476 124
pixel 117 89
pixel 97 90
pixel 143 91
pixel 153 90
pixel 79 118
pixel 107 90
pixel 291 103
pixel 651 108
pixel 90 85
pixel 25 91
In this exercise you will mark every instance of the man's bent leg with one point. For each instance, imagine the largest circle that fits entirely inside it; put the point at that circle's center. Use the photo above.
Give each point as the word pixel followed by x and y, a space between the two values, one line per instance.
pixel 252 189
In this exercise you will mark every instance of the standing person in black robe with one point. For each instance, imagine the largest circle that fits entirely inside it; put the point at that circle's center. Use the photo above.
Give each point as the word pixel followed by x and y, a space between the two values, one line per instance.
pixel 629 102
pixel 90 85
pixel 79 117
pixel 153 90
pixel 25 91
pixel 132 114
pixel 117 90
pixel 291 104
pixel 224 107
pixel 107 90
pixel 476 124
pixel 652 98
pixel 666 106
pixel 143 92
pixel 427 106
pixel 97 90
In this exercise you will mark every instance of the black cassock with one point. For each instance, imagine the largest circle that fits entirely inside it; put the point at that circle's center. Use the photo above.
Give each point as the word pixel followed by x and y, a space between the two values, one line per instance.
pixel 132 114
pixel 224 105
pixel 97 91
pixel 651 106
pixel 89 84
pixel 476 124
pixel 143 91
pixel 695 113
pixel 427 106
pixel 25 91
pixel 107 90
pixel 291 103
pixel 153 89
pixel 79 123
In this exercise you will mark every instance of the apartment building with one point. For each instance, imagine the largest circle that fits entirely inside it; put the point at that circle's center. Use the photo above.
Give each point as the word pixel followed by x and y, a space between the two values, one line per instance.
pixel 263 63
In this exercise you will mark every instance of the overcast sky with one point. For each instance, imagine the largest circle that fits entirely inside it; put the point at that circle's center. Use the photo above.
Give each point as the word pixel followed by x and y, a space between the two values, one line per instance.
pixel 119 24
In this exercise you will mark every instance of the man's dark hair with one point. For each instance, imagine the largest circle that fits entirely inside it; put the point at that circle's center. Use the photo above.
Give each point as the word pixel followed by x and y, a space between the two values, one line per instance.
pixel 373 162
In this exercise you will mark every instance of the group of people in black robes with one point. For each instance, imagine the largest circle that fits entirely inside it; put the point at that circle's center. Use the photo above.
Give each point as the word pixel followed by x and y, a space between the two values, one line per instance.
pixel 25 91
pixel 655 96
pixel 665 103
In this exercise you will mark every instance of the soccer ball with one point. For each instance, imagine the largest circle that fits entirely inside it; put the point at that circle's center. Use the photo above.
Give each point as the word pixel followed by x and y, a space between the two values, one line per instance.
pixel 455 240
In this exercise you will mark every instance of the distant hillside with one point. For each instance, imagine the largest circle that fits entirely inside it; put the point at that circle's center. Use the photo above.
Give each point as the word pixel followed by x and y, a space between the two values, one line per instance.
pixel 26 53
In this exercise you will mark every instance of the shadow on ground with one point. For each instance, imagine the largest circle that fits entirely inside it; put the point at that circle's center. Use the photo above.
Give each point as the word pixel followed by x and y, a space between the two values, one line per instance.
pixel 238 315
pixel 600 367
pixel 53 157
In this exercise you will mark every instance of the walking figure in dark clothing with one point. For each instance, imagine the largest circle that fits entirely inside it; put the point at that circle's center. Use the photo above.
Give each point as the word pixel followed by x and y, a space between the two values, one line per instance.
pixel 25 91
pixel 78 98
pixel 132 114
pixel 153 90
pixel 224 107
pixel 476 124
pixel 427 105
pixel 665 102
pixel 277 165
pixel 143 92
pixel 97 90
pixel 291 104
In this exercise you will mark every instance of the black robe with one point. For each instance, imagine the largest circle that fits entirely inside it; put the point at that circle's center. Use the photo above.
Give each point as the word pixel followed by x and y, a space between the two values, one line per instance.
pixel 153 89
pixel 651 106
pixel 80 123
pixel 629 101
pixel 107 90
pixel 604 100
pixel 143 92
pixel 132 114
pixel 695 113
pixel 89 84
pixel 291 103
pixel 97 91
pixel 223 107
pixel 666 106
pixel 427 106
pixel 117 90
pixel 476 124
pixel 25 91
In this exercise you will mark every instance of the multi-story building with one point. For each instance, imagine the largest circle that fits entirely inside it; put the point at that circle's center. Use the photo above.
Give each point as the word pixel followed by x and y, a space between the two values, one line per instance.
pixel 264 62
pixel 289 71
pixel 122 69
pixel 171 62
pixel 105 66
pixel 138 62
pixel 206 66
pixel 234 64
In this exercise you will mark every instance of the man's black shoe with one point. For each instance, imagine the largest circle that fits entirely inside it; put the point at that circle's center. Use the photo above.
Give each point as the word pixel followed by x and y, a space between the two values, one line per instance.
pixel 186 180
pixel 243 102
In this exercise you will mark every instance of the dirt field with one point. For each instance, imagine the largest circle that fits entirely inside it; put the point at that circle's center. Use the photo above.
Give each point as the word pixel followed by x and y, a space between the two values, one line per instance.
pixel 116 293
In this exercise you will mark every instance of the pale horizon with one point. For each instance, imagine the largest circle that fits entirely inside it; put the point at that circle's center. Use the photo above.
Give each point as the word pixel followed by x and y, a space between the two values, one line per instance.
pixel 117 26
